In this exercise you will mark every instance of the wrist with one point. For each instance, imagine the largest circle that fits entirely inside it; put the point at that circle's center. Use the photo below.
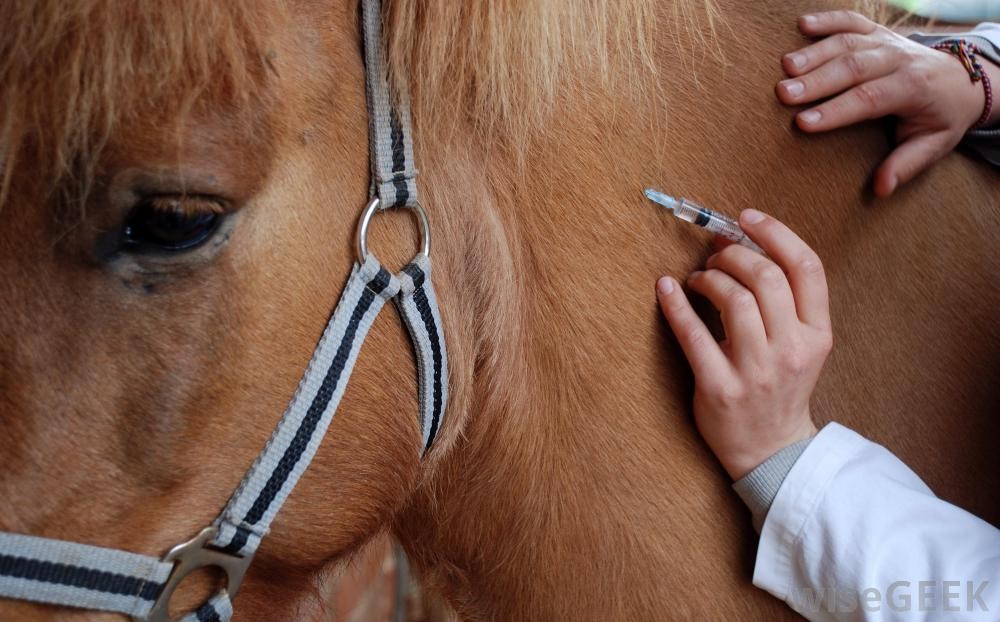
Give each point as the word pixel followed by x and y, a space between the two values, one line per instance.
pixel 975 94
pixel 740 462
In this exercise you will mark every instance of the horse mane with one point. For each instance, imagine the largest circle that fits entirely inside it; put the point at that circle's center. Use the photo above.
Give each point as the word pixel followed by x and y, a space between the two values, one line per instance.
pixel 502 63
pixel 74 72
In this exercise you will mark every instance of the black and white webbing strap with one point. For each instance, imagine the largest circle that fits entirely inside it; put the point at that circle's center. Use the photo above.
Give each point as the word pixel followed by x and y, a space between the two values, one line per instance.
pixel 67 573
pixel 418 306
pixel 393 172
pixel 78 575
pixel 253 506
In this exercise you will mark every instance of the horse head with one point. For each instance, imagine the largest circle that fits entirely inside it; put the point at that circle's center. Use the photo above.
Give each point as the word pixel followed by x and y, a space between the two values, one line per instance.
pixel 181 190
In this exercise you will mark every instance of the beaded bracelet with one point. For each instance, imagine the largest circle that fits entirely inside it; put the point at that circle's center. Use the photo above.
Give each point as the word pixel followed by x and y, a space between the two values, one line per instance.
pixel 966 53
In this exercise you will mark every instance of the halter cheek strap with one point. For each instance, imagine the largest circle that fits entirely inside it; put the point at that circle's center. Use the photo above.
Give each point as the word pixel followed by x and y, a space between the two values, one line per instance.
pixel 79 575
pixel 292 445
pixel 389 137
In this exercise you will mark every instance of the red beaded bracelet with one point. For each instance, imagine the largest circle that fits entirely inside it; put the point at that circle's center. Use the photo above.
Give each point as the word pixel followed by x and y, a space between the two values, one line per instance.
pixel 966 53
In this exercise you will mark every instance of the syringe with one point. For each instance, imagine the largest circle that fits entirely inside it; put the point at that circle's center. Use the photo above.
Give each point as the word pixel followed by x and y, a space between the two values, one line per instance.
pixel 715 222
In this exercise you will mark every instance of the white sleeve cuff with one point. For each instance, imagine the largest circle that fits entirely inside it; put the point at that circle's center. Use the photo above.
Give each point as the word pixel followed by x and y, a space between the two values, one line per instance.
pixel 828 452
pixel 851 523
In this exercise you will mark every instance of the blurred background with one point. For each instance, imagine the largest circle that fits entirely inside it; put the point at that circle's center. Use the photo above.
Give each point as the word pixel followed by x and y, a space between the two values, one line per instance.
pixel 378 586
pixel 959 11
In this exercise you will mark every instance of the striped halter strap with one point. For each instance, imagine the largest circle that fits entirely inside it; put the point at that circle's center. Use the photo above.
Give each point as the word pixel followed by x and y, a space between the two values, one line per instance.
pixel 79 575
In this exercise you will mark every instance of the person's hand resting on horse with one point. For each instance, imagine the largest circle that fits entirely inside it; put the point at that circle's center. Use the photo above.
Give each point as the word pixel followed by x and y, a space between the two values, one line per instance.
pixel 873 72
pixel 752 390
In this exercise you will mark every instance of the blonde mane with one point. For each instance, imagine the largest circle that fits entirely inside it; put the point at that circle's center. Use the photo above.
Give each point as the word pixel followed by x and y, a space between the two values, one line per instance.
pixel 500 63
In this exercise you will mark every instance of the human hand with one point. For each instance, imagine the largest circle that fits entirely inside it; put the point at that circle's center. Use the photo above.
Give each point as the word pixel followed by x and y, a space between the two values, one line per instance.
pixel 875 72
pixel 752 390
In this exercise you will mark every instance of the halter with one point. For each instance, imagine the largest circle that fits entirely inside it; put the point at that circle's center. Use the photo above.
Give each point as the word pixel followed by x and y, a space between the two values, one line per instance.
pixel 79 575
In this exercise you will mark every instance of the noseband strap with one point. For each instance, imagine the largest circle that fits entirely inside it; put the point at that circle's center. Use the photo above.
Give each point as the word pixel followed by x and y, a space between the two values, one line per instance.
pixel 90 577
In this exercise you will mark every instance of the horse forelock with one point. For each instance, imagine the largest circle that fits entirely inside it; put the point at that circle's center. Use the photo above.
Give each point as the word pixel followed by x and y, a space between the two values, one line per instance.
pixel 75 72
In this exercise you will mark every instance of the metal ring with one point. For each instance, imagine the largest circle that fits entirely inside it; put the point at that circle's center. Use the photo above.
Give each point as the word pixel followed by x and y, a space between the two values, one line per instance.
pixel 366 217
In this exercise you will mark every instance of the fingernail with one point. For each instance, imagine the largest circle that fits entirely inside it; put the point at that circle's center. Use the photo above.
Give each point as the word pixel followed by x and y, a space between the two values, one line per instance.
pixel 793 87
pixel 808 20
pixel 811 116
pixel 797 60
pixel 695 275
pixel 711 259
pixel 752 216
pixel 893 182
pixel 665 285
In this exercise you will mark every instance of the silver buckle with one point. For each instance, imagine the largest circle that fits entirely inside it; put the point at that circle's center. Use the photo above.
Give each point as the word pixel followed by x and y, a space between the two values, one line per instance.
pixel 190 556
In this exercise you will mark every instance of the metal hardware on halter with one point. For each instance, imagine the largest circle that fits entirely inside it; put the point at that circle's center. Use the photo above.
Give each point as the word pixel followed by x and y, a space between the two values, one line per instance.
pixel 361 241
pixel 190 556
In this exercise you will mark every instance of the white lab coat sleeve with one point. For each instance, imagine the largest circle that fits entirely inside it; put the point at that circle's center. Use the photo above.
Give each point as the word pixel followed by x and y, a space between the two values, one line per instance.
pixel 853 534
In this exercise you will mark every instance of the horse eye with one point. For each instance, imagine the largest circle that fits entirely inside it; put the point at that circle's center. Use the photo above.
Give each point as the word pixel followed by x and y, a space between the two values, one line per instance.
pixel 176 223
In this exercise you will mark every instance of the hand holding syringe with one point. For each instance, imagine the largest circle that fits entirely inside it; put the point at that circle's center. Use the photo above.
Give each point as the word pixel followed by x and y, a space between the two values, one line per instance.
pixel 690 211
pixel 751 400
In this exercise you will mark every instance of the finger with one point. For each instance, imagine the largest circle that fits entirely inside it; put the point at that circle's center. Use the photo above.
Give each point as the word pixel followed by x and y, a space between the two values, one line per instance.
pixel 800 263
pixel 700 348
pixel 810 57
pixel 767 282
pixel 830 22
pixel 910 159
pixel 738 309
pixel 719 243
pixel 870 100
pixel 838 75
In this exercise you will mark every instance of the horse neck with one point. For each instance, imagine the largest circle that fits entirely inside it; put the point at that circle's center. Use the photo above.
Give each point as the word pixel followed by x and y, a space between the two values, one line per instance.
pixel 571 482
pixel 567 438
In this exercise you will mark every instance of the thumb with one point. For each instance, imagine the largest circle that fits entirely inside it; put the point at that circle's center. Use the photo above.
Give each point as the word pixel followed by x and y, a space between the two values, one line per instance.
pixel 909 160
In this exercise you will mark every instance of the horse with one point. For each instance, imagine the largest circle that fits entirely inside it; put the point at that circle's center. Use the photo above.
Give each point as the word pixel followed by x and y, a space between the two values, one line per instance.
pixel 180 187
